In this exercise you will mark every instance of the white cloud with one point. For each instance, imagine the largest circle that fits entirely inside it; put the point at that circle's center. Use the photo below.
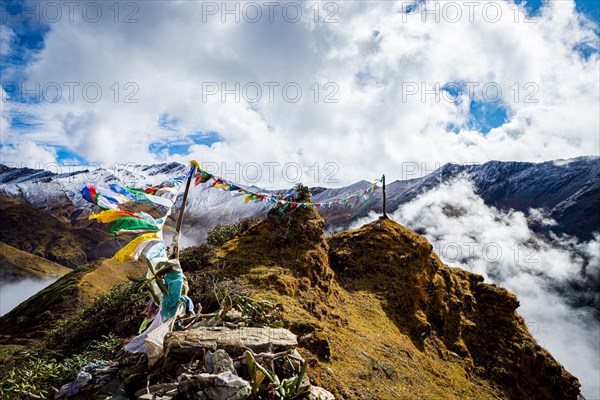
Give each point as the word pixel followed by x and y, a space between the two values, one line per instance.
pixel 4 120
pixel 6 37
pixel 370 130
pixel 27 154
pixel 372 216
pixel 500 246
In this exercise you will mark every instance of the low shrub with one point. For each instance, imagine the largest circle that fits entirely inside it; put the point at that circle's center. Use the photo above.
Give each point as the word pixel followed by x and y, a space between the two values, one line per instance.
pixel 116 311
pixel 221 234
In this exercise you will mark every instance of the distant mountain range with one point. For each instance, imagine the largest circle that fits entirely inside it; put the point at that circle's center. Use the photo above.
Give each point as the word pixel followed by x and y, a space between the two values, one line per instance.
pixel 567 191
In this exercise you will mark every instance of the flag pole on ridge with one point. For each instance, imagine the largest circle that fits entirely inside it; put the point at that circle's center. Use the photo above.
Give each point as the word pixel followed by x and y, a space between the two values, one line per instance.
pixel 383 182
pixel 175 246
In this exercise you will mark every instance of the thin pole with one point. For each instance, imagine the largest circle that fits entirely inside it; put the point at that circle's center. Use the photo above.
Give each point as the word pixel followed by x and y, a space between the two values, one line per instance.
pixel 175 252
pixel 383 181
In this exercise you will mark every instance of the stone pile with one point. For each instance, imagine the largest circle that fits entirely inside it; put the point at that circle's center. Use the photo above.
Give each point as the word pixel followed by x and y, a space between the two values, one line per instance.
pixel 213 363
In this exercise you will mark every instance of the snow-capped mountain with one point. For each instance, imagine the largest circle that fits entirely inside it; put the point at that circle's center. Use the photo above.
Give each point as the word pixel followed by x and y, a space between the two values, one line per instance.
pixel 567 191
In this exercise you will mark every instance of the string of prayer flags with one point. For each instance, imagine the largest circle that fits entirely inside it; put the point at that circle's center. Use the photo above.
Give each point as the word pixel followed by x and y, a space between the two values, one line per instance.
pixel 91 194
pixel 202 177
pixel 206 180
pixel 164 277
pixel 115 187
pixel 109 198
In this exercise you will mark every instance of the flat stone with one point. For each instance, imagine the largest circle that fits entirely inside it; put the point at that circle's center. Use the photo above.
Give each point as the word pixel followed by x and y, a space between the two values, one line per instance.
pixel 228 387
pixel 181 346
pixel 202 379
pixel 154 397
pixel 232 315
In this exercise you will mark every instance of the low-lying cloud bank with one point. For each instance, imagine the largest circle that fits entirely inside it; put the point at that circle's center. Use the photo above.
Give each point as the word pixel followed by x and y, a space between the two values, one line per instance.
pixel 548 275
pixel 14 293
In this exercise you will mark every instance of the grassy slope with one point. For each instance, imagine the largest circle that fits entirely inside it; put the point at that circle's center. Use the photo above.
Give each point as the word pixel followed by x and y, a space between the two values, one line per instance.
pixel 36 232
pixel 392 321
pixel 17 264
pixel 64 298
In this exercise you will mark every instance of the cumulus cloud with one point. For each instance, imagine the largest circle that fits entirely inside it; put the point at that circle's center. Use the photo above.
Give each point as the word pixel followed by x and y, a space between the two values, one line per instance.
pixel 501 246
pixel 28 154
pixel 368 53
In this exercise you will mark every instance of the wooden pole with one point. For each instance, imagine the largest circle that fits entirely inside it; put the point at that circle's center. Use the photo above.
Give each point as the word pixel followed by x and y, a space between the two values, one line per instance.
pixel 175 250
pixel 383 181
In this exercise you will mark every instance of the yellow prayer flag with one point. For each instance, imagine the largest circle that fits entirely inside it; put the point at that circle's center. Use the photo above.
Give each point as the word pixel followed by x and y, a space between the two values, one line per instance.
pixel 109 215
pixel 126 253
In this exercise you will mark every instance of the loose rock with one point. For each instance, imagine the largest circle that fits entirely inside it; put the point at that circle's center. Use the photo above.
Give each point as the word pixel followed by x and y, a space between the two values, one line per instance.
pixel 318 393
pixel 218 362
pixel 223 386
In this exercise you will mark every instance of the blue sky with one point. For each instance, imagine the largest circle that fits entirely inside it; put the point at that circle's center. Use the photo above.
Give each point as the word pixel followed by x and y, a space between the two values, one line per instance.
pixel 590 7
pixel 169 147
pixel 27 40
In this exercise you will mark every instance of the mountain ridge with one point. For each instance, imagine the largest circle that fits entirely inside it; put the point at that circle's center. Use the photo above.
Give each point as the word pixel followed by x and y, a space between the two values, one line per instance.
pixel 379 316
pixel 17 264
pixel 63 299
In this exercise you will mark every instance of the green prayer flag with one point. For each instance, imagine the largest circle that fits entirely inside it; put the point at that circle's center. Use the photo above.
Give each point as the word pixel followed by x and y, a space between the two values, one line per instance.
pixel 132 224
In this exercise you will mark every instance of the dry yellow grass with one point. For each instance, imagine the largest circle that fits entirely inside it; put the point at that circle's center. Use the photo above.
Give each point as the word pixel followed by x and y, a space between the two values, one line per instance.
pixel 108 274
pixel 20 264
